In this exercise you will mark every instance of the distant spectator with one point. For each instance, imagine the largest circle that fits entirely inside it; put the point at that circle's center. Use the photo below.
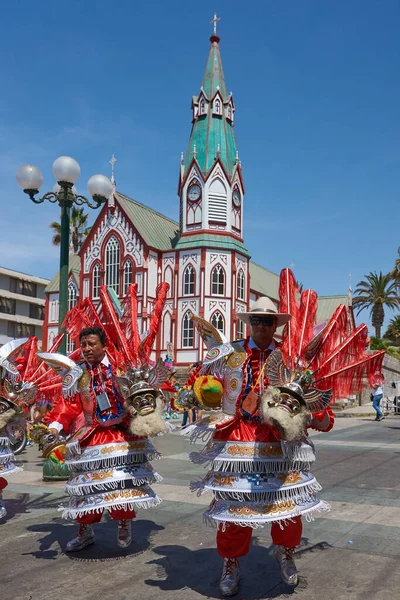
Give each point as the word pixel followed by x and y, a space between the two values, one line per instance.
pixel 376 397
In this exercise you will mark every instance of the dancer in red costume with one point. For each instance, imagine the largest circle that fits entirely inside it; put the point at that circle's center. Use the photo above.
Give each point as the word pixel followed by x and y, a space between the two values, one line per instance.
pixel 109 456
pixel 270 394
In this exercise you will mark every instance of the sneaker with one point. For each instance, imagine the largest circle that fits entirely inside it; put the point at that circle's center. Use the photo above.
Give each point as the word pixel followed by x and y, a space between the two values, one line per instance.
pixel 84 538
pixel 124 535
pixel 229 584
pixel 380 418
pixel 284 556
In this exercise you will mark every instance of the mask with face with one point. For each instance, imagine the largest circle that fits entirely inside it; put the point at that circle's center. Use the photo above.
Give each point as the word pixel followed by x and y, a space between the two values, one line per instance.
pixel 140 390
pixel 291 397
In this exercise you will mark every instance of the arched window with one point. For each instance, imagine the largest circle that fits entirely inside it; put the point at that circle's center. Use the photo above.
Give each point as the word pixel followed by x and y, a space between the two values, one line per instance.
pixel 240 285
pixel 52 335
pixel 188 281
pixel 168 278
pixel 70 345
pixel 217 106
pixel 71 296
pixel 128 273
pixel 202 106
pixel 240 330
pixel 187 331
pixel 217 321
pixel 218 281
pixel 113 253
pixel 167 329
pixel 96 275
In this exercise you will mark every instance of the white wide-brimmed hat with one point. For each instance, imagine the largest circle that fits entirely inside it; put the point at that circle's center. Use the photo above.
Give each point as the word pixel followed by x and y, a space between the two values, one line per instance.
pixel 264 307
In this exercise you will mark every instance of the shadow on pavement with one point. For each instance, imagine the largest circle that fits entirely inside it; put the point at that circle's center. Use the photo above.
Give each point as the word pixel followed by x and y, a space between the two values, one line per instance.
pixel 179 567
pixel 24 503
pixel 200 570
pixel 105 548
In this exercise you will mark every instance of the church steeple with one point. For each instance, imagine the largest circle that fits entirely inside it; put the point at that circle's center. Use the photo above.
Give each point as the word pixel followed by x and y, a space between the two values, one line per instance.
pixel 210 184
pixel 213 117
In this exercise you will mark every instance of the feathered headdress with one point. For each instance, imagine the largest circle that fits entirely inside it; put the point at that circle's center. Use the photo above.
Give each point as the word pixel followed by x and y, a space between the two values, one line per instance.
pixel 124 347
pixel 324 362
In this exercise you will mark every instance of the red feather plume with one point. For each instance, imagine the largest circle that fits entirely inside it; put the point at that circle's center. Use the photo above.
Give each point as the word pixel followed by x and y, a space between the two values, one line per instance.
pixel 155 319
pixel 129 323
pixel 288 292
pixel 307 316
pixel 112 324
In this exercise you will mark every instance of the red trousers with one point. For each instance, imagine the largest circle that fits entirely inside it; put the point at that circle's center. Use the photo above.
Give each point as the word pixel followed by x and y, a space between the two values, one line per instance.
pixel 116 514
pixel 235 540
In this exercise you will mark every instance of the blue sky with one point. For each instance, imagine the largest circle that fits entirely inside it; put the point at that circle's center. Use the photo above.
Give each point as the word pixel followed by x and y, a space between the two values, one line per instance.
pixel 317 93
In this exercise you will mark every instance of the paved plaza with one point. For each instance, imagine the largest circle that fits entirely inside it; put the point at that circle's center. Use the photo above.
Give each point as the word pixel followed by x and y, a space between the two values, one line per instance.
pixel 353 552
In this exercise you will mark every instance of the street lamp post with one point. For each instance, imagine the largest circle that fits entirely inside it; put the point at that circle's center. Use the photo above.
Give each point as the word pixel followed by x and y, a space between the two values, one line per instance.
pixel 66 171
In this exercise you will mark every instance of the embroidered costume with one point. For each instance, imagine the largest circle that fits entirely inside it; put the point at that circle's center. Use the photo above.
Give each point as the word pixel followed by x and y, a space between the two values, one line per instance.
pixel 117 398
pixel 258 452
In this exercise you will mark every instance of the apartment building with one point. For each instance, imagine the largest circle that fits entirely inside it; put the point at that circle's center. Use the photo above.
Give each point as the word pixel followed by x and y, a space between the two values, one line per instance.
pixel 22 303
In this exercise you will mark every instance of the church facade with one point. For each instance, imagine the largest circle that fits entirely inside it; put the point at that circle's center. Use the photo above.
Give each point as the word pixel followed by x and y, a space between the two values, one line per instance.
pixel 203 257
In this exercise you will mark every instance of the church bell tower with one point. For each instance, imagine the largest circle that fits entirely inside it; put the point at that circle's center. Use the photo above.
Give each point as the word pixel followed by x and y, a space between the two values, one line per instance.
pixel 211 187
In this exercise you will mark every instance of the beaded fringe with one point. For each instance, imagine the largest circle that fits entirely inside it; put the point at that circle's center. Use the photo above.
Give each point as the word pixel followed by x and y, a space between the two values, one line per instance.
pixel 116 461
pixel 291 452
pixel 297 494
pixel 84 490
pixel 73 514
pixel 204 434
pixel 73 448
pixel 247 466
pixel 11 472
pixel 309 516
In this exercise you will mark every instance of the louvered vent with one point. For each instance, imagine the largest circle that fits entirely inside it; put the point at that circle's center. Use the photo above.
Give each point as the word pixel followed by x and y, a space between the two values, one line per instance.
pixel 217 202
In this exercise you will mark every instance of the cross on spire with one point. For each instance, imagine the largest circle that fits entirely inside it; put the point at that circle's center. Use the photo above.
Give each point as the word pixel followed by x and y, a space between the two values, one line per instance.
pixel 214 20
pixel 112 163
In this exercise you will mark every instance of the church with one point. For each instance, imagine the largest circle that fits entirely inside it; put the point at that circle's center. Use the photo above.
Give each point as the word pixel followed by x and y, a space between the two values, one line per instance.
pixel 203 257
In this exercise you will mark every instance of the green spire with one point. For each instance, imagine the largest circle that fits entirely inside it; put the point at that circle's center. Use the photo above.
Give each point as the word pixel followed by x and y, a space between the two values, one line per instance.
pixel 212 134
pixel 213 79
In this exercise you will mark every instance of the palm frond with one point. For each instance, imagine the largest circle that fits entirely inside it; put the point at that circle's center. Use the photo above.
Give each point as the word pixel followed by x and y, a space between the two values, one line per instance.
pixel 375 293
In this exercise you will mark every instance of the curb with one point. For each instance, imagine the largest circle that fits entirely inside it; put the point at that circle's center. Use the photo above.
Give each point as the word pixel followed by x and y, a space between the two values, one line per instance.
pixel 353 415
pixel 360 415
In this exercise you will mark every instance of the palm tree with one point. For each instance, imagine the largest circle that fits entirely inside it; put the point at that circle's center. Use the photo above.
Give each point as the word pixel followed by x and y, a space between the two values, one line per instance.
pixel 376 293
pixel 393 331
pixel 78 231
pixel 383 344
pixel 395 273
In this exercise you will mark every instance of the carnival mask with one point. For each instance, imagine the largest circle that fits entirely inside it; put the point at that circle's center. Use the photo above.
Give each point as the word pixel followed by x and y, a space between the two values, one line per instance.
pixel 140 398
pixel 143 403
pixel 286 402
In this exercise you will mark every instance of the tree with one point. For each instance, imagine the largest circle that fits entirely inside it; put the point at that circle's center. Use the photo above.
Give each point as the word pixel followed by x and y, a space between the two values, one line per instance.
pixel 395 274
pixel 378 344
pixel 393 331
pixel 78 229
pixel 377 292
